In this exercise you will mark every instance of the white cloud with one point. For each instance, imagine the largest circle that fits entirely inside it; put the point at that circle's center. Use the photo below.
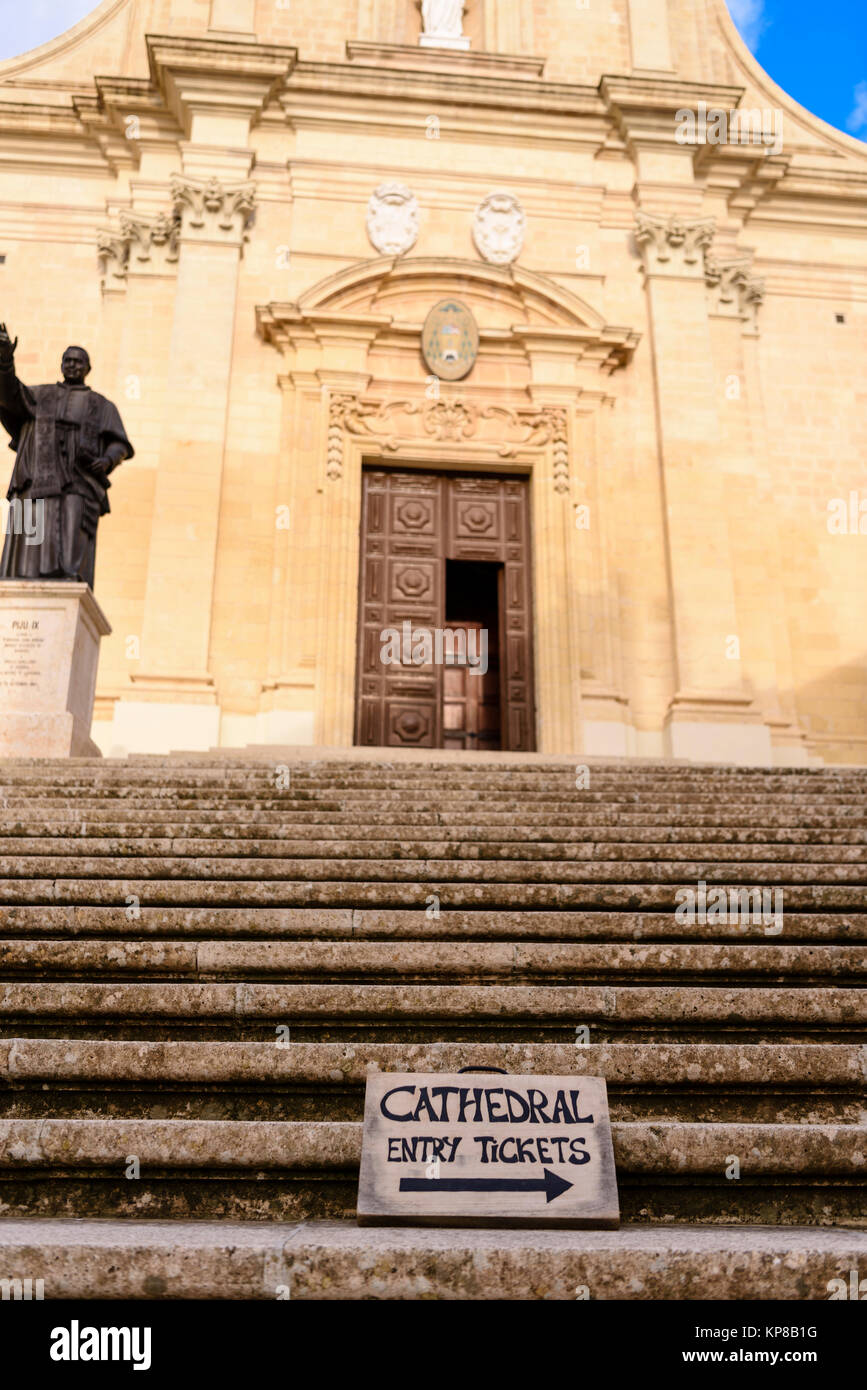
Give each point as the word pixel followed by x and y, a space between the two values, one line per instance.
pixel 749 16
pixel 856 121
pixel 37 21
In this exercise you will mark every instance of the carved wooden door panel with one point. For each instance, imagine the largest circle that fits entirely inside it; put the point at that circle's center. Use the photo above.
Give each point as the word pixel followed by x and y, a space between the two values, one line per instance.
pixel 402 558
pixel 489 520
pixel 471 694
pixel 412 524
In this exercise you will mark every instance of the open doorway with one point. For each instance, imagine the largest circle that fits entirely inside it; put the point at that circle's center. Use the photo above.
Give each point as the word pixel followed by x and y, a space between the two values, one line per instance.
pixel 471 684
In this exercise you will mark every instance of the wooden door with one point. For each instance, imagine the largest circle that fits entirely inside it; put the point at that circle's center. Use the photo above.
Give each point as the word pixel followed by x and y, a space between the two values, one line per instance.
pixel 412 524
pixel 471 692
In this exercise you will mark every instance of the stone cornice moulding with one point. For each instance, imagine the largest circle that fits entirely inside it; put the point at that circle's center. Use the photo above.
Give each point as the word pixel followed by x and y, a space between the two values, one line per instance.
pixel 643 109
pixel 220 76
pixel 342 96
pixel 468 62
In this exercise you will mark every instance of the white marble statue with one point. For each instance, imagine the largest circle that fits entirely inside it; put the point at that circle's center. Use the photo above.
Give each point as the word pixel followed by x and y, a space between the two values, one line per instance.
pixel 443 19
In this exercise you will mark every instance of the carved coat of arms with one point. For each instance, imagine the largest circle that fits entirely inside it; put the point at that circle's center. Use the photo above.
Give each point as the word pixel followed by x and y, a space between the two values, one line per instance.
pixel 498 228
pixel 392 219
pixel 450 340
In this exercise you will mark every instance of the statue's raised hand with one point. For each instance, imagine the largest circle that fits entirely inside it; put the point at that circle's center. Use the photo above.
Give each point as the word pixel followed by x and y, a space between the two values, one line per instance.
pixel 7 347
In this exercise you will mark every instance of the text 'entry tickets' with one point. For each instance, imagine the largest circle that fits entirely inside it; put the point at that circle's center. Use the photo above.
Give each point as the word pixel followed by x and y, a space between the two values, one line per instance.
pixel 466 1149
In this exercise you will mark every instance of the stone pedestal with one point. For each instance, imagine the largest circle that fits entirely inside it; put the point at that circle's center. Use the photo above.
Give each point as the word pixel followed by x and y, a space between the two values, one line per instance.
pixel 457 41
pixel 49 651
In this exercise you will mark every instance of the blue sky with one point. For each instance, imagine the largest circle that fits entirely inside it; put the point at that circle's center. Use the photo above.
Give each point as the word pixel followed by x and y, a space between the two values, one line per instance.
pixel 816 52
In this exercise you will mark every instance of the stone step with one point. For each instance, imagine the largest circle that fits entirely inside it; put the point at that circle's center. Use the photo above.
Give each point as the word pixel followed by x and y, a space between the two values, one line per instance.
pixel 168 925
pixel 396 924
pixel 338 1261
pixel 473 771
pixel 622 1064
pixel 570 1004
pixel 590 894
pixel 398 804
pixel 89 1078
pixel 737 872
pixel 676 1150
pixel 30 850
pixel 79 836
pixel 273 1169
pixel 256 816
pixel 373 961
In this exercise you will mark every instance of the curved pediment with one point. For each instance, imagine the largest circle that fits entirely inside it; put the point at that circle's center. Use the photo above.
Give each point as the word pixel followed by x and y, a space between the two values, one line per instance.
pixel 389 296
pixel 404 288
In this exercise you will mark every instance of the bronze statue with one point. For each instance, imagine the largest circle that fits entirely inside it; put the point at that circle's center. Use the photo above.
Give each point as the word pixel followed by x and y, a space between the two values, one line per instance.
pixel 67 439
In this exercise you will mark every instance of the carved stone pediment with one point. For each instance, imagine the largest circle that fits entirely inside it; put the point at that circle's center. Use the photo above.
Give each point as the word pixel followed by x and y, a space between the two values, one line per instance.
pixel 387 301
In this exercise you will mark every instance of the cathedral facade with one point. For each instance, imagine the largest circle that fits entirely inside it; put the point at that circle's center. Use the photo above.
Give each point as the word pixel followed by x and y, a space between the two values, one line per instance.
pixel 529 328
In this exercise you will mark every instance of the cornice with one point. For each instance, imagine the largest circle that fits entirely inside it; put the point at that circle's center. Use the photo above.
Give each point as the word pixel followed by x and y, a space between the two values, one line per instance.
pixel 644 108
pixel 351 78
pixel 229 59
pixel 236 77
pixel 468 63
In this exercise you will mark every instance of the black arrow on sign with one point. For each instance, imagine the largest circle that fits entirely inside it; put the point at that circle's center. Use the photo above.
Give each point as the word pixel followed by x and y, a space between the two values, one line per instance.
pixel 552 1185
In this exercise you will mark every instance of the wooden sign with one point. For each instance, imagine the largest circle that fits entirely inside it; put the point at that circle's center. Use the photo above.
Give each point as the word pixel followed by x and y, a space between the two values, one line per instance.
pixel 478 1149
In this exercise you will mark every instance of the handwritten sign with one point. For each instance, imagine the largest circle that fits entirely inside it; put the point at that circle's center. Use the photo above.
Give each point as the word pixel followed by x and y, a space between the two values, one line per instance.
pixel 473 1149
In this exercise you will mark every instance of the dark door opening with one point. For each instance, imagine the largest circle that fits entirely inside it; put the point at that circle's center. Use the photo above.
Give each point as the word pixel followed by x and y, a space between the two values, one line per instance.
pixel 471 680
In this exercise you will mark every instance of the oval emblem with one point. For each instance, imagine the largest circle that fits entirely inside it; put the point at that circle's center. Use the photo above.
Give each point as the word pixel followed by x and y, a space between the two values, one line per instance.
pixel 450 340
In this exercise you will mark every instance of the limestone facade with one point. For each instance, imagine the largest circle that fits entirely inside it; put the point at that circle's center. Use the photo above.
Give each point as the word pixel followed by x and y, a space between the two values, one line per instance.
pixel 671 298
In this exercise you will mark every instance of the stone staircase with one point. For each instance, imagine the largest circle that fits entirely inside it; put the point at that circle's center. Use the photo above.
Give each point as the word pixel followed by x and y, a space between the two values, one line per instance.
pixel 202 963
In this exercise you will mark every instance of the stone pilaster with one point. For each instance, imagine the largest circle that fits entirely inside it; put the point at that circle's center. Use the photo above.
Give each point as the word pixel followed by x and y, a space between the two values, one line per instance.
pixel 711 715
pixel 215 88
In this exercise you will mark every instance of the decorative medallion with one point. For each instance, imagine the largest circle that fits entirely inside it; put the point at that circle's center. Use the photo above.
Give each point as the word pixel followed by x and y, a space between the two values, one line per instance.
pixel 392 219
pixel 498 228
pixel 450 340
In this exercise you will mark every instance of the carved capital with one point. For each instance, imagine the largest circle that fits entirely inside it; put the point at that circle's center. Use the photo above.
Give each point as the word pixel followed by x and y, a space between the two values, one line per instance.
pixel 734 291
pixel 673 246
pixel 113 251
pixel 152 242
pixel 142 244
pixel 210 210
